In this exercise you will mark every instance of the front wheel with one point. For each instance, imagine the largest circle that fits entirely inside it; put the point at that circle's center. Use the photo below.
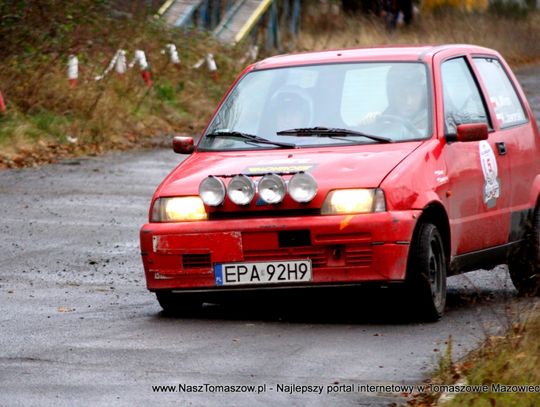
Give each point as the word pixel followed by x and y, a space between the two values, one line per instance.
pixel 524 264
pixel 426 274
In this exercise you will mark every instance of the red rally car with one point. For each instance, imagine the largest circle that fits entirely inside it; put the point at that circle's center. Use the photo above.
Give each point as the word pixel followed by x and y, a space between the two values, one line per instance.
pixel 338 168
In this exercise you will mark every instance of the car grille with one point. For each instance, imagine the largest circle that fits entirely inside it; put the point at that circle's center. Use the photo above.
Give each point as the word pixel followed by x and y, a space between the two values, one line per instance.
pixel 320 256
pixel 195 261
pixel 358 255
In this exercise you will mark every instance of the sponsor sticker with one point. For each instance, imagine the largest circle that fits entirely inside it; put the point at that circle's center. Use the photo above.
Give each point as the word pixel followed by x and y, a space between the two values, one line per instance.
pixel 278 169
pixel 492 183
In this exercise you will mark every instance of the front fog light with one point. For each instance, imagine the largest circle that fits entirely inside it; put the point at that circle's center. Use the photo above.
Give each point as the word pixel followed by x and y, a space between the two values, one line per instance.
pixel 212 191
pixel 241 190
pixel 272 189
pixel 302 187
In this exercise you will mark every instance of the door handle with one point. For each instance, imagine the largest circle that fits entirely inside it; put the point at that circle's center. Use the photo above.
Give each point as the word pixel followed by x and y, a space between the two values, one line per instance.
pixel 501 148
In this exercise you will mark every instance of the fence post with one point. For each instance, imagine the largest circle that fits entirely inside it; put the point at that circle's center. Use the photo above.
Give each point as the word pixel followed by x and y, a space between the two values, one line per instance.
pixel 2 104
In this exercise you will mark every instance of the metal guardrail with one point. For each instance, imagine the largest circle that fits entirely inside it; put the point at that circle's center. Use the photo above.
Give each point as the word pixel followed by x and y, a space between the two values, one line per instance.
pixel 165 6
pixel 250 23
pixel 232 21
pixel 226 20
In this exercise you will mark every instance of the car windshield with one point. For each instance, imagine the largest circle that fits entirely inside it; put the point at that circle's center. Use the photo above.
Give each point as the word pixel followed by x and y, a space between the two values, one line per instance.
pixel 332 104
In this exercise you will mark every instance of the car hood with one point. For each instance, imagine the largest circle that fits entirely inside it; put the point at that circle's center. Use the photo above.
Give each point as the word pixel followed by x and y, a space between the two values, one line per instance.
pixel 332 167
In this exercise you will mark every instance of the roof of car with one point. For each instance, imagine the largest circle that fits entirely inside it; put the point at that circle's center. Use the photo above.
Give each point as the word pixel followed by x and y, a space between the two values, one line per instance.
pixel 389 53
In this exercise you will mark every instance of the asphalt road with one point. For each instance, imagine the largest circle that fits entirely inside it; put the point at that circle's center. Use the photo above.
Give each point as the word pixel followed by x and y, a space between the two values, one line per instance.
pixel 77 326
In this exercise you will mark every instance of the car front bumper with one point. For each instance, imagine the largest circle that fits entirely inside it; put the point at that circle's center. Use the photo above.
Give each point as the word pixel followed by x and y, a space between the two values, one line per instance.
pixel 343 249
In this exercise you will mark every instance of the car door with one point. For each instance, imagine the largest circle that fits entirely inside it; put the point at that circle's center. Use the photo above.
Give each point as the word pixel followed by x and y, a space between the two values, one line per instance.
pixel 516 139
pixel 478 172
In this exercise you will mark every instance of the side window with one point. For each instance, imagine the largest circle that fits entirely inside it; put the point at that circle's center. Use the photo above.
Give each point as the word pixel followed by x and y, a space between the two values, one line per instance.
pixel 462 100
pixel 502 94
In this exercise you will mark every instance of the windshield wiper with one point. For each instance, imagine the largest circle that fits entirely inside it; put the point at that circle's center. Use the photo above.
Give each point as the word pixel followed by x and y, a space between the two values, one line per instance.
pixel 250 137
pixel 330 132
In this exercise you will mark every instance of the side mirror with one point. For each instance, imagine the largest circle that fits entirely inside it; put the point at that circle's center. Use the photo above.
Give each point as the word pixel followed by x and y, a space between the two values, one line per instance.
pixel 470 132
pixel 183 145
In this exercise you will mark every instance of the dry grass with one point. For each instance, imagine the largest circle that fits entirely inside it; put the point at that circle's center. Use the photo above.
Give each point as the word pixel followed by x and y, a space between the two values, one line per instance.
pixel 509 360
pixel 518 40
pixel 45 115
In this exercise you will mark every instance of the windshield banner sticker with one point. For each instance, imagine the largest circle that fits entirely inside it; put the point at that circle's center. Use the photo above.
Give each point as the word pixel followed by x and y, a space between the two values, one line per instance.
pixel 492 187
pixel 278 169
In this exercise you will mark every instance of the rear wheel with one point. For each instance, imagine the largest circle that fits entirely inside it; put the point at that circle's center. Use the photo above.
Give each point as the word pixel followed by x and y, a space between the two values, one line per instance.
pixel 524 264
pixel 178 304
pixel 426 274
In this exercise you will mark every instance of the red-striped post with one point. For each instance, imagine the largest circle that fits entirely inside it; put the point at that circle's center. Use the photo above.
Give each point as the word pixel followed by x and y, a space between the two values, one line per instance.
pixel 3 108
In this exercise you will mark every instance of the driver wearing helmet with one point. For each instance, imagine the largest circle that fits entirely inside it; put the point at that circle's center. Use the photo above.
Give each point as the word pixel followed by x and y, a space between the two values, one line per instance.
pixel 406 95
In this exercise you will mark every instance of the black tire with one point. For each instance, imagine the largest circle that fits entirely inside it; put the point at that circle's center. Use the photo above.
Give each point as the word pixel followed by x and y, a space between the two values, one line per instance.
pixel 524 264
pixel 426 274
pixel 178 304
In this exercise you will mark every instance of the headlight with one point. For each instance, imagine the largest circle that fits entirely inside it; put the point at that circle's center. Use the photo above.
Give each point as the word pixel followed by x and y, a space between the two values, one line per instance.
pixel 179 209
pixel 212 191
pixel 302 187
pixel 354 201
pixel 241 190
pixel 272 189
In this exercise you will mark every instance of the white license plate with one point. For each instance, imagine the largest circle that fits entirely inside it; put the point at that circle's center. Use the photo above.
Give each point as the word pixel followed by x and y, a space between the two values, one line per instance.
pixel 262 273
